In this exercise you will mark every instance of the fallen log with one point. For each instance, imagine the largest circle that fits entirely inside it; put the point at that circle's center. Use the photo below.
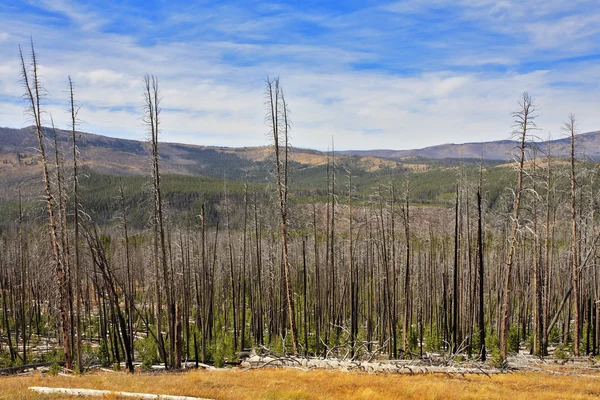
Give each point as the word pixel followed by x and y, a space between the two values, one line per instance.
pixel 21 368
pixel 101 393
pixel 394 367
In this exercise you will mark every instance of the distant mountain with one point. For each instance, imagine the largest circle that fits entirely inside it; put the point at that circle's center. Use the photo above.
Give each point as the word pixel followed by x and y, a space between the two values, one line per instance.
pixel 589 143
pixel 122 156
pixel 19 155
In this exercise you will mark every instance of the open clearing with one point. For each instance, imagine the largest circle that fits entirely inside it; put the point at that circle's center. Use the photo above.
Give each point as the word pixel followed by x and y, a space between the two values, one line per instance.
pixel 292 383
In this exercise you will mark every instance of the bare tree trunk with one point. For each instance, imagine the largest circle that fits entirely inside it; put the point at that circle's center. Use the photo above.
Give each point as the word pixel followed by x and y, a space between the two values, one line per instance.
pixel 64 234
pixel 244 242
pixel 232 271
pixel 407 296
pixel 331 250
pixel 482 350
pixel 570 127
pixel 547 255
pixel 205 305
pixel 537 282
pixel 33 95
pixel 74 113
pixel 101 261
pixel 523 123
pixel 23 272
pixel 276 100
pixel 353 276
pixel 152 110
pixel 455 290
pixel 5 313
pixel 129 291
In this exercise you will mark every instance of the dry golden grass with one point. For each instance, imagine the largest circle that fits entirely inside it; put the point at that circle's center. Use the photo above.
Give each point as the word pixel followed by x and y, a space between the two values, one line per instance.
pixel 540 163
pixel 374 163
pixel 262 153
pixel 309 158
pixel 321 384
pixel 9 165
pixel 249 153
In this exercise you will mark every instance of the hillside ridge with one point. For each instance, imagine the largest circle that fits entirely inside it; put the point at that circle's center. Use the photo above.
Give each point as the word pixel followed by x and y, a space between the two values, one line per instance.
pixel 18 151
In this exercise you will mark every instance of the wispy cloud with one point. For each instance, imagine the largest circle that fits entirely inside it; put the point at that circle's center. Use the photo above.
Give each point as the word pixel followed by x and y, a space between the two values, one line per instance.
pixel 399 75
pixel 75 12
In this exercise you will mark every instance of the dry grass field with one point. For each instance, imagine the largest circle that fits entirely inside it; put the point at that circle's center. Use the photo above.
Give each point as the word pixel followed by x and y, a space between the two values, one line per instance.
pixel 317 384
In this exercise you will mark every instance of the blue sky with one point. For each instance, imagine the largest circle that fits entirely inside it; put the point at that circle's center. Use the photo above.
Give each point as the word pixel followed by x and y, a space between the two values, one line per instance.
pixel 400 75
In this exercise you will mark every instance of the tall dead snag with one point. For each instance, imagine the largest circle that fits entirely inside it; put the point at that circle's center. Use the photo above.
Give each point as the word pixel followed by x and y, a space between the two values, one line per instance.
pixel 524 122
pixel 151 118
pixel 537 281
pixel 61 215
pixel 244 244
pixel 353 273
pixel 259 313
pixel 317 291
pixel 331 241
pixel 24 275
pixel 482 353
pixel 570 128
pixel 233 275
pixel 547 251
pixel 130 287
pixel 33 94
pixel 407 294
pixel 74 111
pixel 389 319
pixel 277 118
pixel 455 290
pixel 204 304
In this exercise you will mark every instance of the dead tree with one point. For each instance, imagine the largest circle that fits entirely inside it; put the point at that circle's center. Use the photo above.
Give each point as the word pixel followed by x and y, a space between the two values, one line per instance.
pixel 74 111
pixel 455 280
pixel 547 251
pixel 33 94
pixel 407 272
pixel 101 261
pixel 277 110
pixel 524 122
pixel 482 352
pixel 151 118
pixel 570 128
pixel 61 208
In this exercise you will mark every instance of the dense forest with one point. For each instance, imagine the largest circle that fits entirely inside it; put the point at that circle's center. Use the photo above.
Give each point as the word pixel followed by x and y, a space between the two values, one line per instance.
pixel 468 259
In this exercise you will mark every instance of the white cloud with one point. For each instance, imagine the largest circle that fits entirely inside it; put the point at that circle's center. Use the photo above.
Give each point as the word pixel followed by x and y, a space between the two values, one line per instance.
pixel 74 11
pixel 213 87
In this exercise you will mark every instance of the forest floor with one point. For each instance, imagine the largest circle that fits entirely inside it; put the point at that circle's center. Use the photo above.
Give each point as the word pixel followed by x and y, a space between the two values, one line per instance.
pixel 551 381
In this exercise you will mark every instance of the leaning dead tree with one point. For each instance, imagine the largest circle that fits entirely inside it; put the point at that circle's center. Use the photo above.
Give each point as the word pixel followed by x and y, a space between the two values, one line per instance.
pixel 34 93
pixel 101 261
pixel 277 118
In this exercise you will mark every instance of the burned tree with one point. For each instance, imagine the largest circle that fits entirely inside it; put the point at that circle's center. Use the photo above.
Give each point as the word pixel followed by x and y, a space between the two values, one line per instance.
pixel 277 118
pixel 33 93
pixel 524 123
